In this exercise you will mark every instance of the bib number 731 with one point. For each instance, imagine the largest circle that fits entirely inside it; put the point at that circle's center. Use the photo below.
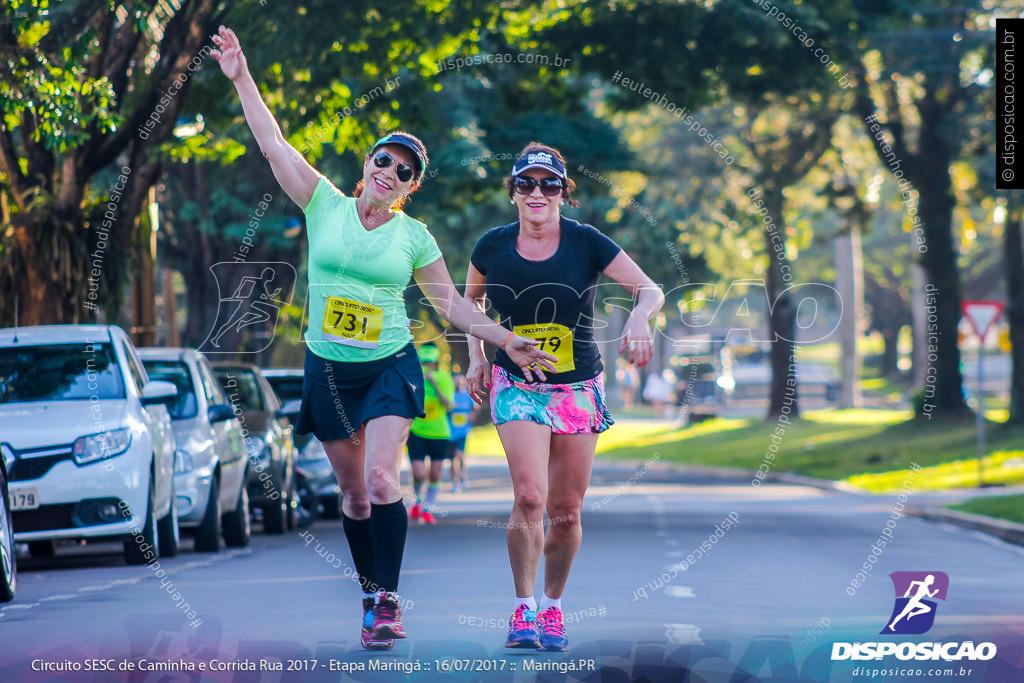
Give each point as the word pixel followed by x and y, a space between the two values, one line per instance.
pixel 352 323
pixel 554 339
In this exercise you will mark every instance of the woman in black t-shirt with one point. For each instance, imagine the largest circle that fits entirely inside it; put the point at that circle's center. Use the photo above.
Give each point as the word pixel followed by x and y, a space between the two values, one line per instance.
pixel 539 274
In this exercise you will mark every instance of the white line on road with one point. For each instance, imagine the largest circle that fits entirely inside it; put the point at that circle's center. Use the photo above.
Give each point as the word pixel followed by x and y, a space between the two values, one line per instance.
pixel 679 592
pixel 683 634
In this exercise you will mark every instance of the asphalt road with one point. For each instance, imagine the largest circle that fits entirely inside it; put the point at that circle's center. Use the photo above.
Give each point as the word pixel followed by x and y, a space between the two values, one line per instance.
pixel 765 602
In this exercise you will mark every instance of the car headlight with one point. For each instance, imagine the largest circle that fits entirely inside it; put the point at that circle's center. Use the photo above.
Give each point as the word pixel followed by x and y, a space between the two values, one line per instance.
pixel 95 447
pixel 8 456
pixel 183 461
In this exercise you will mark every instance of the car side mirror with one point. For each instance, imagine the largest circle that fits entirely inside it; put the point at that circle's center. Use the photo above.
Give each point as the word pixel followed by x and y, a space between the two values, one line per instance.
pixel 290 410
pixel 158 391
pixel 220 413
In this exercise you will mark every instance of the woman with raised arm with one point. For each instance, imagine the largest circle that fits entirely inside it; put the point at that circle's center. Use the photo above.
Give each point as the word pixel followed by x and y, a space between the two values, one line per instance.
pixel 362 383
pixel 539 275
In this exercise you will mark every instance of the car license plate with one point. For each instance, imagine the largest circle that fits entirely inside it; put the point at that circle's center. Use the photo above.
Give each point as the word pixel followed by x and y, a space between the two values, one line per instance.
pixel 24 499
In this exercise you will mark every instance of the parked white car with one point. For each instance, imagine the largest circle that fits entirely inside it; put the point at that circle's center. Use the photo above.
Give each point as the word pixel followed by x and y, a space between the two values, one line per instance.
pixel 210 466
pixel 89 441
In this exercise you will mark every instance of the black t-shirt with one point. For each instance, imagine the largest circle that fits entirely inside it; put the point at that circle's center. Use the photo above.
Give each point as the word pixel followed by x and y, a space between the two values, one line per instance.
pixel 552 298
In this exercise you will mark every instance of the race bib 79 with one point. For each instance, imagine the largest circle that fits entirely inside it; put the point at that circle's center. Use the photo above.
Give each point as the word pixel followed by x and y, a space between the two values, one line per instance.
pixel 554 339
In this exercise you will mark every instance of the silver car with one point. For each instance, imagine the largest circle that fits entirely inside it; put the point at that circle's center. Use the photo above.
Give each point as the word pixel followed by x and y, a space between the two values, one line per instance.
pixel 210 462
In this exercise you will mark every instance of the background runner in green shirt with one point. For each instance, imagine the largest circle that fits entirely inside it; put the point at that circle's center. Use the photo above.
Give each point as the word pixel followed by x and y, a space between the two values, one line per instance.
pixel 429 435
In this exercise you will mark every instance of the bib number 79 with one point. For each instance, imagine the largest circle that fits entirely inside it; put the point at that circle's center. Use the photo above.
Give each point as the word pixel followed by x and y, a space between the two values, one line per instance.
pixel 554 339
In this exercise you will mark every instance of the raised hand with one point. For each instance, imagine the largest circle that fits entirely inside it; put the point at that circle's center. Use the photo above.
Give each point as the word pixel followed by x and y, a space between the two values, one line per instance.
pixel 229 56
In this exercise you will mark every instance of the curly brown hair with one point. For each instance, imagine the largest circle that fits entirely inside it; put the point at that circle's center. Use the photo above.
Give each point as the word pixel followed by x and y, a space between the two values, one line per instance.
pixel 570 186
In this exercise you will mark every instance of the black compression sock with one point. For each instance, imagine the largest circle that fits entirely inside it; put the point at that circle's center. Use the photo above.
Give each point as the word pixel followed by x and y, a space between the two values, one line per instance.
pixel 360 542
pixel 388 527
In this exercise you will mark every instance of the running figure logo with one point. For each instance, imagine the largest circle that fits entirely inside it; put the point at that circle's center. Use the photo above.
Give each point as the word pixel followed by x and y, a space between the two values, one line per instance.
pixel 914 613
pixel 254 305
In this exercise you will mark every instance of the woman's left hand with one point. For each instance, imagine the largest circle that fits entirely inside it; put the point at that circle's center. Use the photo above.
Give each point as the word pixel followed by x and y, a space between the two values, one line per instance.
pixel 526 353
pixel 637 340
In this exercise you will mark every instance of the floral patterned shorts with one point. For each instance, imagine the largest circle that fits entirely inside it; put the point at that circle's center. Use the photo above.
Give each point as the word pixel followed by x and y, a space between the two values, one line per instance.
pixel 577 408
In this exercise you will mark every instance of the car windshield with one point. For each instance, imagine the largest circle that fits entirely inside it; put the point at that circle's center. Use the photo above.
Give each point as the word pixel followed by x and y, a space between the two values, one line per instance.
pixel 286 388
pixel 184 405
pixel 241 387
pixel 59 372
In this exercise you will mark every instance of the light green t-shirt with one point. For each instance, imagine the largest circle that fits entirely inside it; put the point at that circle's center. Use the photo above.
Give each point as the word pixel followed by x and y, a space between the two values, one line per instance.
pixel 358 278
pixel 434 424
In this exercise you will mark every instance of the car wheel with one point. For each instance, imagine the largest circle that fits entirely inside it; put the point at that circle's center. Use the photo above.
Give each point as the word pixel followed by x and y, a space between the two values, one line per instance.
pixel 42 549
pixel 168 530
pixel 8 562
pixel 275 513
pixel 138 545
pixel 237 531
pixel 208 533
pixel 292 516
pixel 332 506
pixel 275 516
pixel 308 503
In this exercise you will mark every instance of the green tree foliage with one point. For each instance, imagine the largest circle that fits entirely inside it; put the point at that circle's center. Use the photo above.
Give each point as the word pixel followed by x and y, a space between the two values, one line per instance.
pixel 79 80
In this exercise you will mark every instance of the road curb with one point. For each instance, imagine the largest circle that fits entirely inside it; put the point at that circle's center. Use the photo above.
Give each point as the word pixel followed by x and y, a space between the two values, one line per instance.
pixel 739 472
pixel 1011 532
pixel 826 484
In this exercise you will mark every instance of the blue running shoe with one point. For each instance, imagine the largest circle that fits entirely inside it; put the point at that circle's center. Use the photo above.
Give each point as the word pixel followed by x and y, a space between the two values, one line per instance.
pixel 522 628
pixel 551 625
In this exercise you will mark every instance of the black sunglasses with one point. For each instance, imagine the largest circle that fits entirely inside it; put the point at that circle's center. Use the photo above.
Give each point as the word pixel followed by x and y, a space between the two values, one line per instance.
pixel 549 187
pixel 383 160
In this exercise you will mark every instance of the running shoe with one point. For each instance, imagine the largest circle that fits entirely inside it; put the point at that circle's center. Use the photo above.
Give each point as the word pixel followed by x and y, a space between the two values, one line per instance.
pixel 367 639
pixel 428 518
pixel 387 617
pixel 416 510
pixel 551 625
pixel 522 628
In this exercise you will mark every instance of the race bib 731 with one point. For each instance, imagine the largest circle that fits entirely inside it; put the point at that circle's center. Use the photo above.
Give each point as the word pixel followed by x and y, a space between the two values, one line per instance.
pixel 352 323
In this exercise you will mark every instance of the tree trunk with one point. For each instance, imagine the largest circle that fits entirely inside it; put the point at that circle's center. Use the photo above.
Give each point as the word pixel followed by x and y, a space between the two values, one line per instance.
pixel 1013 259
pixel 889 313
pixel 201 296
pixel 782 319
pixel 202 304
pixel 35 305
pixel 939 262
pixel 890 354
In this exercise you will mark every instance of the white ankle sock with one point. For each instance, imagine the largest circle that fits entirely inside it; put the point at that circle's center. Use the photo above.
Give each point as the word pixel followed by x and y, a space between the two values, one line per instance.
pixel 530 602
pixel 546 602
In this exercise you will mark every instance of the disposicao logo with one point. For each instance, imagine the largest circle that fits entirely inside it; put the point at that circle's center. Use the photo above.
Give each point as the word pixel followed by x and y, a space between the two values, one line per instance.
pixel 913 614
